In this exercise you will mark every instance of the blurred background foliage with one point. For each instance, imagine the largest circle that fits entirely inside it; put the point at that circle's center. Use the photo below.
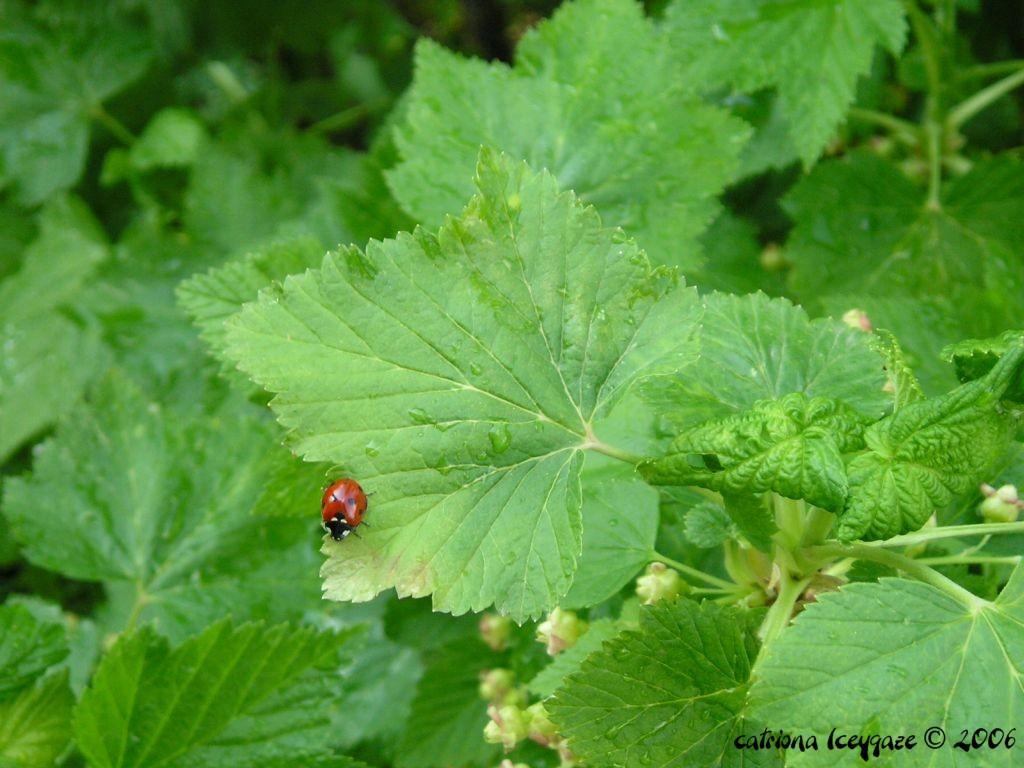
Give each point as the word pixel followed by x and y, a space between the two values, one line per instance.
pixel 143 141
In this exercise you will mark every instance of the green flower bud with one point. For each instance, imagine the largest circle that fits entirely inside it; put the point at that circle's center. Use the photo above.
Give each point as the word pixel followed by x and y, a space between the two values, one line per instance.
pixel 560 630
pixel 508 726
pixel 495 631
pixel 659 582
pixel 496 684
pixel 858 320
pixel 1001 505
pixel 772 259
pixel 506 763
pixel 542 730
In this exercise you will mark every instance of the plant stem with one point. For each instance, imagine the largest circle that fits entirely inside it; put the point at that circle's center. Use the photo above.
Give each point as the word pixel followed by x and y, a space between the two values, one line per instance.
pixel 991 70
pixel 817 525
pixel 931 46
pixel 789 517
pixel 782 609
pixel 610 450
pixel 112 124
pixel 346 118
pixel 931 49
pixel 141 599
pixel 962 559
pixel 934 133
pixel 972 105
pixel 863 551
pixel 902 130
pixel 707 578
pixel 950 532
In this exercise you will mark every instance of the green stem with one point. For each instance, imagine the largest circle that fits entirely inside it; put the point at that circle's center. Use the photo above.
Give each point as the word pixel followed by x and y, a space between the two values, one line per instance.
pixel 615 453
pixel 962 559
pixel 782 609
pixel 931 49
pixel 789 517
pixel 972 105
pixel 934 133
pixel 902 130
pixel 991 70
pixel 950 532
pixel 899 562
pixel 141 599
pixel 707 578
pixel 112 124
pixel 931 46
pixel 346 118
pixel 817 525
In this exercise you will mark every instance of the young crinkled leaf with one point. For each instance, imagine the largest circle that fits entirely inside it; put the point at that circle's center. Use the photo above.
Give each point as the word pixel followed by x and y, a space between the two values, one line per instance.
pixel 974 358
pixel 903 382
pixel 924 455
pixel 793 446
pixel 231 696
pixel 58 64
pixel 755 348
pixel 458 375
pixel 813 51
pixel 915 657
pixel 670 693
pixel 593 98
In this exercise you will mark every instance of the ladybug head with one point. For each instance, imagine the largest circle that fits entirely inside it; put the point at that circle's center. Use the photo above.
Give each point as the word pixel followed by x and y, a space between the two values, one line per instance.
pixel 337 527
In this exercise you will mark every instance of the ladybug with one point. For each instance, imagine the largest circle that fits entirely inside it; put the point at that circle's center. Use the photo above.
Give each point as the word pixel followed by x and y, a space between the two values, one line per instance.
pixel 343 507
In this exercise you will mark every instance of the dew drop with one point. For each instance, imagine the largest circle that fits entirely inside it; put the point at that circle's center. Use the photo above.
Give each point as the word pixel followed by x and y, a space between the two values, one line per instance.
pixel 419 416
pixel 501 438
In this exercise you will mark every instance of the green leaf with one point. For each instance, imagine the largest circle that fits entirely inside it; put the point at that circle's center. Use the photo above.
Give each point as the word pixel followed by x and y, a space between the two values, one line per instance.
pixel 708 525
pixel 974 358
pixel 928 452
pixel 663 694
pixel 28 647
pixel 551 677
pixel 863 227
pixel 35 725
pixel 448 717
pixel 905 387
pixel 618 128
pixel 69 247
pixel 47 358
pixel 755 348
pixel 230 696
pixel 913 656
pixel 620 524
pixel 923 326
pixel 457 375
pixel 171 140
pixel 754 516
pixel 160 499
pixel 210 298
pixel 376 693
pixel 58 64
pixel 793 446
pixel 813 51
pixel 733 259
pixel 290 481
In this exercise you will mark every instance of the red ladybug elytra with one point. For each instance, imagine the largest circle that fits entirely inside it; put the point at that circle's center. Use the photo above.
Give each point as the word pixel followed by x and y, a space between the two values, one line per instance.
pixel 343 507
